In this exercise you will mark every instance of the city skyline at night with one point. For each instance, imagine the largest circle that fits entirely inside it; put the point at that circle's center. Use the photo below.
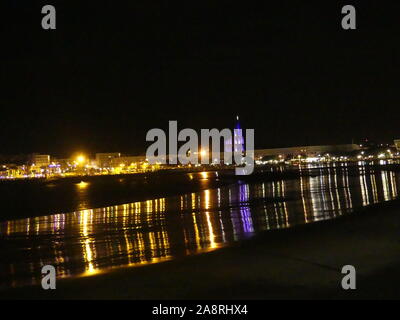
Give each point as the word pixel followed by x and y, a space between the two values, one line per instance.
pixel 198 159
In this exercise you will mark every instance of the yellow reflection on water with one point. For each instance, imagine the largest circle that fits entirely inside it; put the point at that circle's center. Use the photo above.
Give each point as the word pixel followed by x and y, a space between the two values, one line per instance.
pixel 303 200
pixel 206 199
pixel 374 188
pixel 207 205
pixel 82 185
pixel 211 232
pixel 364 187
pixel 196 230
pixel 339 206
pixel 393 184
pixel 85 240
pixel 331 197
pixel 284 204
pixel 385 183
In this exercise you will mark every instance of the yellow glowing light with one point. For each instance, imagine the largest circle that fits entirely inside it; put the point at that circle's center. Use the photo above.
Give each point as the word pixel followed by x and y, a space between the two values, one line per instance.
pixel 80 159
pixel 203 153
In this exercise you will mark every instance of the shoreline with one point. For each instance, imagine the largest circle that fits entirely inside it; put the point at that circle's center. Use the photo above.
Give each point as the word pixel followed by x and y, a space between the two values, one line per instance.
pixel 229 170
pixel 303 262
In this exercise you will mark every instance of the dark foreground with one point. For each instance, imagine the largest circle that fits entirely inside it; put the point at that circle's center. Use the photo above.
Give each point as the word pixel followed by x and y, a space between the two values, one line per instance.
pixel 303 262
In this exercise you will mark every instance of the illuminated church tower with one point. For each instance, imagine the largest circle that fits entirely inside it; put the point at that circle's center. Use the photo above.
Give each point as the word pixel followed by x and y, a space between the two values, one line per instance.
pixel 238 141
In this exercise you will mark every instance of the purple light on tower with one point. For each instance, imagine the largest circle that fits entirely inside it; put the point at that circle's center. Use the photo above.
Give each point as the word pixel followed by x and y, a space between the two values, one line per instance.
pixel 238 141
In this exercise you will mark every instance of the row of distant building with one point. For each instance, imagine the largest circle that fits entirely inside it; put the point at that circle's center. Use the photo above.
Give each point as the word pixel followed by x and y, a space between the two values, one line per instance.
pixel 43 165
pixel 111 160
pixel 349 150
pixel 101 160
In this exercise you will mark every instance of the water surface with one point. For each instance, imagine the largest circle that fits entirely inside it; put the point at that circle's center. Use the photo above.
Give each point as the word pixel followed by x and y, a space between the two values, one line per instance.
pixel 88 242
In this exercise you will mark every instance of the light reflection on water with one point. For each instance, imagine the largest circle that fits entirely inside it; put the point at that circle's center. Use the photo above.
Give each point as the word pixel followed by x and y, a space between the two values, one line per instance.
pixel 91 241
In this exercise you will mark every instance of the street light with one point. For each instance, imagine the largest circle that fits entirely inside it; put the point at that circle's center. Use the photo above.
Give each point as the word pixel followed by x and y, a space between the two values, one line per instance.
pixel 80 159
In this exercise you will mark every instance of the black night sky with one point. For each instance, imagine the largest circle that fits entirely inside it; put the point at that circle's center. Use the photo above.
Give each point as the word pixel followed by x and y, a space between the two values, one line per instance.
pixel 112 71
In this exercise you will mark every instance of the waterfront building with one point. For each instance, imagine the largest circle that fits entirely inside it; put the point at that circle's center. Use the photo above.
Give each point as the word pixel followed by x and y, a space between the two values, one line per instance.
pixel 126 161
pixel 41 160
pixel 103 160
pixel 306 150
pixel 397 144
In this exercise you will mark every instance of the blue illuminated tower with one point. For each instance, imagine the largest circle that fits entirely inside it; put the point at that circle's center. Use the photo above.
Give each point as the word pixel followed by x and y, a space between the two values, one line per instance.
pixel 238 141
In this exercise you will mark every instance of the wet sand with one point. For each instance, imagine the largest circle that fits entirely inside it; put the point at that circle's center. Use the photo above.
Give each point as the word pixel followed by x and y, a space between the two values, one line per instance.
pixel 302 262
